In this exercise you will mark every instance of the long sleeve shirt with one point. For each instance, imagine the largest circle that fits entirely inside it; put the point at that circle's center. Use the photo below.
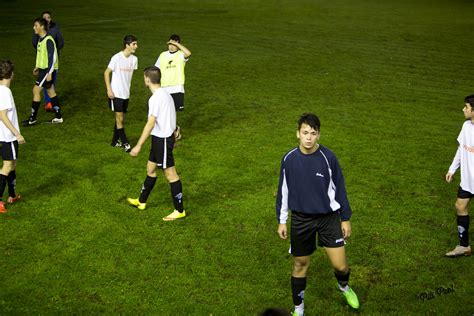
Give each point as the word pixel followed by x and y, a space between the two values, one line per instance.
pixel 311 184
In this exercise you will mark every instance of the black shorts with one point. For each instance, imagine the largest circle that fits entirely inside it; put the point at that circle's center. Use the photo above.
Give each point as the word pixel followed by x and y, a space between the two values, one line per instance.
pixel 118 105
pixel 178 99
pixel 41 79
pixel 464 194
pixel 304 228
pixel 161 151
pixel 9 150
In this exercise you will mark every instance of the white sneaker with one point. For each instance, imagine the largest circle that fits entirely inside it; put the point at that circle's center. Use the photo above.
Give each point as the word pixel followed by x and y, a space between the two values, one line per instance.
pixel 57 120
pixel 459 251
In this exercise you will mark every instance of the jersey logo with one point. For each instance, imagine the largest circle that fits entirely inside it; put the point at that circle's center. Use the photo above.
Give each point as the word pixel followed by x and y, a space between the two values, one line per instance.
pixel 319 175
pixel 169 63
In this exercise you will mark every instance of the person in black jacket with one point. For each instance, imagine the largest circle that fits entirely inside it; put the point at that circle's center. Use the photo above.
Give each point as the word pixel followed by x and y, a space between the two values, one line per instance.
pixel 312 186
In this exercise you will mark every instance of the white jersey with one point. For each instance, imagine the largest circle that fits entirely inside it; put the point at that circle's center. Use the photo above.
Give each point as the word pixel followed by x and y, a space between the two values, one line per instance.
pixel 161 106
pixel 122 70
pixel 465 157
pixel 7 103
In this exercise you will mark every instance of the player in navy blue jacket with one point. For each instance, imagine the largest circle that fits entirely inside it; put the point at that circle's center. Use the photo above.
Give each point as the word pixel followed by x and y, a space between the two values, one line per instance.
pixel 312 186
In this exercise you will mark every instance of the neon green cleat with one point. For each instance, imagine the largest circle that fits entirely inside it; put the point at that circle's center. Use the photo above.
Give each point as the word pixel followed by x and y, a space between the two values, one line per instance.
pixel 351 298
pixel 295 313
pixel 136 202
pixel 174 216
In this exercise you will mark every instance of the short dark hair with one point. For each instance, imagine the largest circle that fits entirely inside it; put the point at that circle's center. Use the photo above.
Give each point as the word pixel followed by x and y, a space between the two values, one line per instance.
pixel 129 39
pixel 176 38
pixel 46 12
pixel 6 69
pixel 43 23
pixel 153 73
pixel 310 119
pixel 469 99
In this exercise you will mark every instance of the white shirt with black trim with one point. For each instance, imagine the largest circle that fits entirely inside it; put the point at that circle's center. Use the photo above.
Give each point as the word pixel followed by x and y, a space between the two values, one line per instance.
pixel 464 157
pixel 161 106
pixel 7 103
pixel 122 70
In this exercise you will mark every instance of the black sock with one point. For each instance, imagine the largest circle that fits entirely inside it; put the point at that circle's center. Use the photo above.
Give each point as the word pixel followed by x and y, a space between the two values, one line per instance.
pixel 146 189
pixel 342 278
pixel 3 183
pixel 463 230
pixel 56 107
pixel 177 195
pixel 121 134
pixel 116 136
pixel 34 110
pixel 298 285
pixel 11 180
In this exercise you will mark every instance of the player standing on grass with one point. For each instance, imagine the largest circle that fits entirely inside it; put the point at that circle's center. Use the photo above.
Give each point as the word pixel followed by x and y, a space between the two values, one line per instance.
pixel 464 158
pixel 161 125
pixel 171 64
pixel 9 134
pixel 312 186
pixel 46 66
pixel 121 66
pixel 53 30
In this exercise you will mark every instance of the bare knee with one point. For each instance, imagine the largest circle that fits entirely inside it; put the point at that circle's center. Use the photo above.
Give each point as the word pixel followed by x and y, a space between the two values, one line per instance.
pixel 171 175
pixel 300 266
pixel 461 207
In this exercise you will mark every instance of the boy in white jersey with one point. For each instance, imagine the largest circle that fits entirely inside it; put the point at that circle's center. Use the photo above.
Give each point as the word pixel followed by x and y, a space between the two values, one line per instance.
pixel 171 64
pixel 161 125
pixel 121 66
pixel 464 158
pixel 9 134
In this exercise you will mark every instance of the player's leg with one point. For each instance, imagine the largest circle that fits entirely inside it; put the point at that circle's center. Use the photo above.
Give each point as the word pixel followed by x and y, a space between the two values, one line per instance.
pixel 332 239
pixel 115 138
pixel 178 99
pixel 35 104
pixel 54 102
pixel 462 210
pixel 172 176
pixel 121 106
pixel 9 155
pixel 154 160
pixel 303 244
pixel 7 167
pixel 147 187
pixel 47 100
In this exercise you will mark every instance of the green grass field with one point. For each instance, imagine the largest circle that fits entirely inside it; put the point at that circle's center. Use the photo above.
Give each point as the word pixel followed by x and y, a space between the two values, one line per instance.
pixel 387 79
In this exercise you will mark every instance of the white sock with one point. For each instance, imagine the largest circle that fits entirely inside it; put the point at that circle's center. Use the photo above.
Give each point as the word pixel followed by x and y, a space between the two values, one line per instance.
pixel 300 309
pixel 343 289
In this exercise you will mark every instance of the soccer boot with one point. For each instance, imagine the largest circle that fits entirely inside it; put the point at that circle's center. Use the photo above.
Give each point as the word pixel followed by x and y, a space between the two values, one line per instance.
pixel 126 147
pixel 295 313
pixel 117 144
pixel 174 216
pixel 13 199
pixel 57 120
pixel 2 207
pixel 48 107
pixel 29 122
pixel 136 203
pixel 351 298
pixel 459 251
